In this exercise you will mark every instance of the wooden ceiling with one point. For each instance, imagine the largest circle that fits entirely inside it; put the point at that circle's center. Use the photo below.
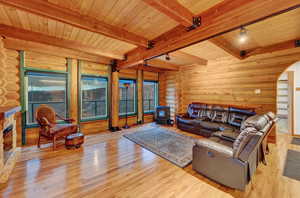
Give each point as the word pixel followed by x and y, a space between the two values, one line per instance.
pixel 277 29
pixel 136 17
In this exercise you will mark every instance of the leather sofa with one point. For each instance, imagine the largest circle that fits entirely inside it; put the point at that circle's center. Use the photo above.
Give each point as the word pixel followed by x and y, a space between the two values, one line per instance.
pixel 206 119
pixel 232 161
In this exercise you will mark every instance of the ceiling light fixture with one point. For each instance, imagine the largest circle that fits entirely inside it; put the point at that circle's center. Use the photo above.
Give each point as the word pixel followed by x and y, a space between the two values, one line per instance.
pixel 168 57
pixel 243 37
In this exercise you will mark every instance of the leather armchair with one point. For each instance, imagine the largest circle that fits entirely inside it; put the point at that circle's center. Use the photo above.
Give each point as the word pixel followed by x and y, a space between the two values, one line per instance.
pixel 232 163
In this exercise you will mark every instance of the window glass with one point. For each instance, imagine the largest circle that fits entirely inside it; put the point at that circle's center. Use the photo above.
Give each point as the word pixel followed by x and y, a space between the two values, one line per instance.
pixel 130 94
pixel 93 97
pixel 150 96
pixel 46 88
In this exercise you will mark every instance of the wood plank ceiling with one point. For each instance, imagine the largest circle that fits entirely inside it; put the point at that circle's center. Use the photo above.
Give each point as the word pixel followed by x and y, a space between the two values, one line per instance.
pixel 136 16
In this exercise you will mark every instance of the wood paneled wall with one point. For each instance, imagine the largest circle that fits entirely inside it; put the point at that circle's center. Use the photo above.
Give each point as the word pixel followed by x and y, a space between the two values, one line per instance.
pixel 169 91
pixel 228 81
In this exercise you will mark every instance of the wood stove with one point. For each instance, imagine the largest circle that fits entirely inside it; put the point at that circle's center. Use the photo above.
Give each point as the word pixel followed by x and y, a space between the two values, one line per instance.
pixel 162 115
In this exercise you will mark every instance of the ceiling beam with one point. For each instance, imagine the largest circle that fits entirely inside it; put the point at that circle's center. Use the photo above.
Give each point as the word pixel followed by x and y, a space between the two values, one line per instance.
pixel 190 57
pixel 222 43
pixel 174 10
pixel 52 11
pixel 162 65
pixel 224 17
pixel 16 44
pixel 27 35
pixel 148 68
pixel 272 48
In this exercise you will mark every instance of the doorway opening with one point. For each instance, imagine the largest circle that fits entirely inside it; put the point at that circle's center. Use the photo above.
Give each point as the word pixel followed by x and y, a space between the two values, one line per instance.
pixel 288 100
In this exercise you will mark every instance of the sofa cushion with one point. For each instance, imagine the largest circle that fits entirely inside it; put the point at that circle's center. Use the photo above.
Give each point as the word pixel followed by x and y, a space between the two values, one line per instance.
pixel 209 113
pixel 220 114
pixel 212 126
pixel 195 110
pixel 242 140
pixel 229 135
pixel 236 119
pixel 188 121
pixel 238 116
pixel 257 121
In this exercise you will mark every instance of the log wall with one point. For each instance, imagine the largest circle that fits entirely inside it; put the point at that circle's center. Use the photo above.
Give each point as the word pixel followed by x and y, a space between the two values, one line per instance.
pixel 228 81
pixel 10 86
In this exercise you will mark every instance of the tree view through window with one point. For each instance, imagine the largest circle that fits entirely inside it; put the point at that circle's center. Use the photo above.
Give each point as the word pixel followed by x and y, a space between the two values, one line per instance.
pixel 131 99
pixel 93 97
pixel 150 96
pixel 46 88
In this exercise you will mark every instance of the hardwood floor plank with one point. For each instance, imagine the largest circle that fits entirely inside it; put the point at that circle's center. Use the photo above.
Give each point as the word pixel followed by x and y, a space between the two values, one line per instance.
pixel 109 165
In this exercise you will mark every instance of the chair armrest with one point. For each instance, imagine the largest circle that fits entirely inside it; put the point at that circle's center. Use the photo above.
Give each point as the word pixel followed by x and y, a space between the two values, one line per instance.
pixel 215 147
pixel 70 120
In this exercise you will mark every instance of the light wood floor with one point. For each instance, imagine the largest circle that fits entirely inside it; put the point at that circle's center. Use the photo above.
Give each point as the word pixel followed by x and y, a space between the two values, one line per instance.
pixel 109 165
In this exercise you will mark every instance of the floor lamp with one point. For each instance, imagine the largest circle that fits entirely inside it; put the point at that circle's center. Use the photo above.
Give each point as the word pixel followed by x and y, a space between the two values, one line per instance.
pixel 126 85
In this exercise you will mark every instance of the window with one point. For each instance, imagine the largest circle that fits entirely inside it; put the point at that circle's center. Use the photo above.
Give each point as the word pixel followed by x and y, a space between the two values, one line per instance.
pixel 46 88
pixel 150 96
pixel 131 97
pixel 93 97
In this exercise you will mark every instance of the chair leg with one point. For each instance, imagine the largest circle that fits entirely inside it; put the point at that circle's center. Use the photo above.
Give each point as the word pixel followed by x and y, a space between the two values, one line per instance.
pixel 39 141
pixel 54 143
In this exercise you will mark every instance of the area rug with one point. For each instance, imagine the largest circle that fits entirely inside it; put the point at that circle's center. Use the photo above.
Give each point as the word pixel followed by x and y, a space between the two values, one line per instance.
pixel 292 165
pixel 296 141
pixel 175 147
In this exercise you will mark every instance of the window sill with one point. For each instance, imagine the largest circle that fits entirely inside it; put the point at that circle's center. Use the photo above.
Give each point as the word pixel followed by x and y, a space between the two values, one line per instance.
pixel 129 115
pixel 93 119
pixel 149 113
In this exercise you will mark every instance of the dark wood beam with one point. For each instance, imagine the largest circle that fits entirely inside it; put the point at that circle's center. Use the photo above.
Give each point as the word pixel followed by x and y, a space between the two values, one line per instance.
pixel 174 10
pixel 222 18
pixel 52 11
pixel 272 48
pixel 27 35
pixel 226 46
pixel 16 44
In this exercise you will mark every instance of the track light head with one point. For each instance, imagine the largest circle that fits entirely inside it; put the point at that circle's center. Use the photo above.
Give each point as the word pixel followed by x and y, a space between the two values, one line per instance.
pixel 168 57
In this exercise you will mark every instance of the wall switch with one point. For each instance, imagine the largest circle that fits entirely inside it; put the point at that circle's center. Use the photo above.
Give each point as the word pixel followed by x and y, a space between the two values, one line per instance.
pixel 257 91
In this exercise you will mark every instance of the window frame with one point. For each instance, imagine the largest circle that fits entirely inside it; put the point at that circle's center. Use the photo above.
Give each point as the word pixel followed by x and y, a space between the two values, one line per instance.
pixel 45 72
pixel 156 99
pixel 122 115
pixel 80 98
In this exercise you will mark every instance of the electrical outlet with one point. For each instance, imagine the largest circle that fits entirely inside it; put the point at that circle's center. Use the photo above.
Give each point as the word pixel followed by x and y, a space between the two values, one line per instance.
pixel 257 91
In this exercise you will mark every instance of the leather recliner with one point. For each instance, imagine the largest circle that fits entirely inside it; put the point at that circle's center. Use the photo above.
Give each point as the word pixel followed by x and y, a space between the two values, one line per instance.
pixel 232 162
pixel 206 119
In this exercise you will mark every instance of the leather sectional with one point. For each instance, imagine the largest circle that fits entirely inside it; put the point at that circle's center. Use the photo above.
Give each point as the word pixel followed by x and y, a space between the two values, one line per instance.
pixel 235 143
pixel 206 119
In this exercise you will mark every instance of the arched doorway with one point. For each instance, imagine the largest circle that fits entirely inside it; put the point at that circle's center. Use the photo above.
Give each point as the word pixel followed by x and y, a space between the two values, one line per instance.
pixel 288 100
